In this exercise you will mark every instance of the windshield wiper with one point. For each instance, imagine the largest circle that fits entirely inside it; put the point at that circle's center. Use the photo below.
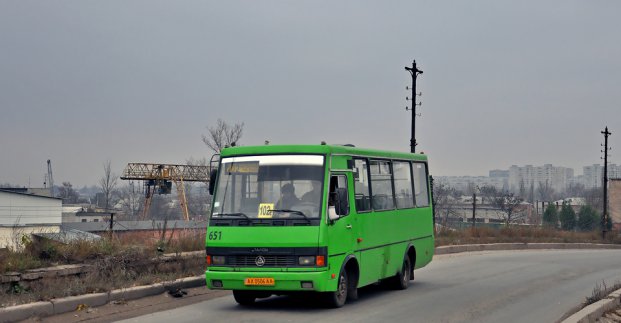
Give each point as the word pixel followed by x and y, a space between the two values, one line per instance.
pixel 290 211
pixel 232 214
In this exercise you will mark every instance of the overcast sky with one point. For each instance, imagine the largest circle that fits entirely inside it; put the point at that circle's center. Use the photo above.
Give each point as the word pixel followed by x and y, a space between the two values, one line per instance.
pixel 505 82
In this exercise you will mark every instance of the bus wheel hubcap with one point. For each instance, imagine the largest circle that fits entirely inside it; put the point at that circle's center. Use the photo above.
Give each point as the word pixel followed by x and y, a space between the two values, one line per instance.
pixel 342 287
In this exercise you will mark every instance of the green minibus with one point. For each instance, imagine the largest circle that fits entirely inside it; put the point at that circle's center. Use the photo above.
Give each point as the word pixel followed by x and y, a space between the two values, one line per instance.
pixel 318 218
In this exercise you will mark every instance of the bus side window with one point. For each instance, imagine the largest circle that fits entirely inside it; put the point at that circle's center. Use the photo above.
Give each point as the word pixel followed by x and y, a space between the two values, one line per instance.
pixel 403 184
pixel 420 184
pixel 381 185
pixel 338 196
pixel 361 186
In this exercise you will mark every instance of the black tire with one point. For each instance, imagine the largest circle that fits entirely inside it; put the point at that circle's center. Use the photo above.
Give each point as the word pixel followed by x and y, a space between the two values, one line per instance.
pixel 339 297
pixel 244 297
pixel 401 281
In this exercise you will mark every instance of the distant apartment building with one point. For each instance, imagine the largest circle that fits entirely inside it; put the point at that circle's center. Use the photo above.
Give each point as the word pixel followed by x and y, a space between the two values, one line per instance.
pixel 593 175
pixel 499 173
pixel 464 183
pixel 557 177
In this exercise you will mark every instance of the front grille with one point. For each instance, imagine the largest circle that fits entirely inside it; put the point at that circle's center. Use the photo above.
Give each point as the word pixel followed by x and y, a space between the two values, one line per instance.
pixel 270 261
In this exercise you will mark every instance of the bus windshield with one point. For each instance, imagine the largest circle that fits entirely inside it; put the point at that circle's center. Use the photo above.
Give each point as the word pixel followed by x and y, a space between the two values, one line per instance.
pixel 269 187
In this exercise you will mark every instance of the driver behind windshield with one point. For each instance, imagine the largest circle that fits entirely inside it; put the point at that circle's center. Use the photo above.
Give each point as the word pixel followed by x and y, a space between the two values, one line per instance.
pixel 314 195
pixel 287 197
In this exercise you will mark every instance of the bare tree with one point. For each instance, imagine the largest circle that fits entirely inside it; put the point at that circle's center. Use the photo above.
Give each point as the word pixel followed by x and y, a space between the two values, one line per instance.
pixel 531 193
pixel 197 194
pixel 522 192
pixel 67 193
pixel 488 192
pixel 575 190
pixel 223 135
pixel 510 207
pixel 107 183
pixel 545 191
pixel 595 198
pixel 444 202
pixel 131 201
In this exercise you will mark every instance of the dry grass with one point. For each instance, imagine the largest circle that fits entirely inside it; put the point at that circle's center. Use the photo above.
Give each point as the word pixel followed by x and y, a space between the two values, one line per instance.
pixel 45 253
pixel 108 274
pixel 600 291
pixel 117 262
pixel 522 234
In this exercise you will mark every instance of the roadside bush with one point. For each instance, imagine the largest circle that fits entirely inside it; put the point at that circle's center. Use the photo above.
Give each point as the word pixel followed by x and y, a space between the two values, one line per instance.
pixel 588 219
pixel 550 216
pixel 567 217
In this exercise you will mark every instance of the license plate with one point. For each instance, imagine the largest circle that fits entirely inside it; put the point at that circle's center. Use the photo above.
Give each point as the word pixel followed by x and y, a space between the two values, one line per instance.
pixel 259 282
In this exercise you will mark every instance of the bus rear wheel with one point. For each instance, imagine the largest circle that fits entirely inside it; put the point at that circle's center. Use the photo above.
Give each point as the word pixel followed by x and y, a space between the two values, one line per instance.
pixel 339 297
pixel 244 297
pixel 402 279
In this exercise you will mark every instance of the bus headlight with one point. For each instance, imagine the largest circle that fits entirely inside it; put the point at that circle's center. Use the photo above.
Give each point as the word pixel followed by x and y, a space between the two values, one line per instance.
pixel 306 260
pixel 319 261
pixel 218 260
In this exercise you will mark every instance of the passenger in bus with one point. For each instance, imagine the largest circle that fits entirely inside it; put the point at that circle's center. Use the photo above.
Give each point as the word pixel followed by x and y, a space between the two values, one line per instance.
pixel 314 195
pixel 287 197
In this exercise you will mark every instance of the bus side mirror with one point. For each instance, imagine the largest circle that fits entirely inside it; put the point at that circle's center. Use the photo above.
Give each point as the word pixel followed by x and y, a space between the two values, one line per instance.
pixel 332 213
pixel 212 181
pixel 342 202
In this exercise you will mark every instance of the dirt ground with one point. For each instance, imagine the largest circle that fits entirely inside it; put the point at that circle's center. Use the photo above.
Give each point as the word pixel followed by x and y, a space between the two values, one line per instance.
pixel 125 310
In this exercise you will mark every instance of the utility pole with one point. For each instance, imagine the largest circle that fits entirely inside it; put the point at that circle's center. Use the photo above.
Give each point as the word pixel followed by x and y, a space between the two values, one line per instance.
pixel 474 207
pixel 606 133
pixel 414 71
pixel 111 224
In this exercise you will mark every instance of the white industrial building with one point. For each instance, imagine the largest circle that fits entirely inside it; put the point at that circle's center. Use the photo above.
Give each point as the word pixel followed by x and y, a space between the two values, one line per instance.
pixel 23 214
pixel 78 213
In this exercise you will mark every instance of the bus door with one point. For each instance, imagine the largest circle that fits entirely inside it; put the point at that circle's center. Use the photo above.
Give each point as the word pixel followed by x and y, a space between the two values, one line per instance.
pixel 342 231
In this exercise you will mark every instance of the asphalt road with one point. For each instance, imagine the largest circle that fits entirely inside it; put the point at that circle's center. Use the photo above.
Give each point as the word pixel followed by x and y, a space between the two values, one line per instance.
pixel 500 286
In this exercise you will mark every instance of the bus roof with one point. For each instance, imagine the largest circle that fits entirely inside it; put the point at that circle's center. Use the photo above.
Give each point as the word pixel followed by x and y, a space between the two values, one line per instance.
pixel 318 149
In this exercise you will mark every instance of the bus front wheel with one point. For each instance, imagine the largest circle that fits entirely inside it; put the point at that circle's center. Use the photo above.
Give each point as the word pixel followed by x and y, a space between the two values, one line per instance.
pixel 244 297
pixel 338 297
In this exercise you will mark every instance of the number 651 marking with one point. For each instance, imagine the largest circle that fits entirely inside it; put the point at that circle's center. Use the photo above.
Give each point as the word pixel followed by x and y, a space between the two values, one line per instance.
pixel 215 235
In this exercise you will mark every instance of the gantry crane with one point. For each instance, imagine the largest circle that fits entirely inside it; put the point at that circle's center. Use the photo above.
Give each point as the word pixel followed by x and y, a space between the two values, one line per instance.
pixel 160 177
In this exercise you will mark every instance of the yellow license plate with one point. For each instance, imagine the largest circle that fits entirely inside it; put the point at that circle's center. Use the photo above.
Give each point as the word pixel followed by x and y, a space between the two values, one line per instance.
pixel 259 282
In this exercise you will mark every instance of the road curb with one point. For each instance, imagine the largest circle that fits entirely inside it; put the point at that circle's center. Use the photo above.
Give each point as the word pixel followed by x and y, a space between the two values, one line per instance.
pixel 24 311
pixel 596 310
pixel 136 292
pixel 73 303
pixel 443 250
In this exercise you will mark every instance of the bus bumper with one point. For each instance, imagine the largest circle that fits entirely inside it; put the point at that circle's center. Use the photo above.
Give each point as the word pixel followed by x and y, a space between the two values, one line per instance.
pixel 318 281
